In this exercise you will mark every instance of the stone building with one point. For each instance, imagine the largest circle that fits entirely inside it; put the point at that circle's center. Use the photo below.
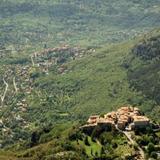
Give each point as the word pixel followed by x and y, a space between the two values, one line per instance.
pixel 125 118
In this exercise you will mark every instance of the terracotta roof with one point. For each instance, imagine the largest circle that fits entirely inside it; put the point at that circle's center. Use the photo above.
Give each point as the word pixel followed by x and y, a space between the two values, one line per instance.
pixel 136 109
pixel 140 118
pixel 103 120
pixel 94 117
pixel 123 116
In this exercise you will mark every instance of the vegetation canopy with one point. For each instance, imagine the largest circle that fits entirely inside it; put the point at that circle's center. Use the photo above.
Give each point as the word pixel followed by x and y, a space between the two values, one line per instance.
pixel 65 60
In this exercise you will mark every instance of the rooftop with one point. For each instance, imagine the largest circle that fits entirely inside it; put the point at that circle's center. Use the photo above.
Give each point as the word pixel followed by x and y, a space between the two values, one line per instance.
pixel 125 115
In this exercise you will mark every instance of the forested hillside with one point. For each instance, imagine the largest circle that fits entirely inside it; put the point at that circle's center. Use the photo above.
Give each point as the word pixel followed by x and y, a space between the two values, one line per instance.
pixel 64 60
pixel 144 68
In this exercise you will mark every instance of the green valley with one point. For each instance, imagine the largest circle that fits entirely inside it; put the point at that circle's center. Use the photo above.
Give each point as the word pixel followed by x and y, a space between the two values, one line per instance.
pixel 64 60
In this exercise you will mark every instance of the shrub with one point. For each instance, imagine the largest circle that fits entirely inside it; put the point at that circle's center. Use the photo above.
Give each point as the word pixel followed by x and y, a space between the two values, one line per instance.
pixel 135 145
pixel 86 141
pixel 154 155
pixel 105 138
pixel 114 145
pixel 68 146
pixel 143 141
pixel 150 148
pixel 74 134
pixel 96 132
pixel 102 151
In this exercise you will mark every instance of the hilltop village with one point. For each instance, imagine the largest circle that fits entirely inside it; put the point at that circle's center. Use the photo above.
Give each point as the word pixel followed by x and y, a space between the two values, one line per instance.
pixel 126 118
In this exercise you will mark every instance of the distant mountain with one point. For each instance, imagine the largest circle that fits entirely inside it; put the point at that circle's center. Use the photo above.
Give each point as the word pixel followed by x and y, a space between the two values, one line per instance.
pixel 83 22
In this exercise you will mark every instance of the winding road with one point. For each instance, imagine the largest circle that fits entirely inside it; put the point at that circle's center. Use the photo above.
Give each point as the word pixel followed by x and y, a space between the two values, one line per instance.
pixel 33 64
pixel 129 137
pixel 4 94
pixel 14 84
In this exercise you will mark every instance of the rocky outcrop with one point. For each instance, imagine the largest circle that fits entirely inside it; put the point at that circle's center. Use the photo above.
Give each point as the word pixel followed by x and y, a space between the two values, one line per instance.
pixel 148 48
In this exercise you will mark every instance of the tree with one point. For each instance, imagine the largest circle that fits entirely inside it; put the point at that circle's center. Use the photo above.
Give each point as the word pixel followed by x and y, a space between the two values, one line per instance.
pixel 114 144
pixel 150 148
pixel 154 155
pixel 102 151
pixel 91 151
pixel 35 138
pixel 135 145
pixel 96 154
pixel 152 139
pixel 67 146
pixel 86 141
pixel 96 132
pixel 106 137
pixel 143 141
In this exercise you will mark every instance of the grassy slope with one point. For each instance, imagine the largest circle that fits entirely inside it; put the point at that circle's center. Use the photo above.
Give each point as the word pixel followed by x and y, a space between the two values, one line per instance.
pixel 102 81
pixel 144 69
pixel 106 84
pixel 94 146
pixel 54 146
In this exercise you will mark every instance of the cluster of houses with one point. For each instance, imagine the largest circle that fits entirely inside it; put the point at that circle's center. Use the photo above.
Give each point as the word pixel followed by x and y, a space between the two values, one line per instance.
pixel 53 56
pixel 125 118
pixel 23 80
pixel 20 79
pixel 22 105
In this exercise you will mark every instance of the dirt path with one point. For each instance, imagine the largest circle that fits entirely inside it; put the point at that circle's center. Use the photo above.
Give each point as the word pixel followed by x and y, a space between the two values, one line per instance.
pixel 129 137
pixel 33 64
pixel 14 84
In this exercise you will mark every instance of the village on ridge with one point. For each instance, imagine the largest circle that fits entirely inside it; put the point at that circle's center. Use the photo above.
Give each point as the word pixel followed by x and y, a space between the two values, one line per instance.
pixel 126 118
